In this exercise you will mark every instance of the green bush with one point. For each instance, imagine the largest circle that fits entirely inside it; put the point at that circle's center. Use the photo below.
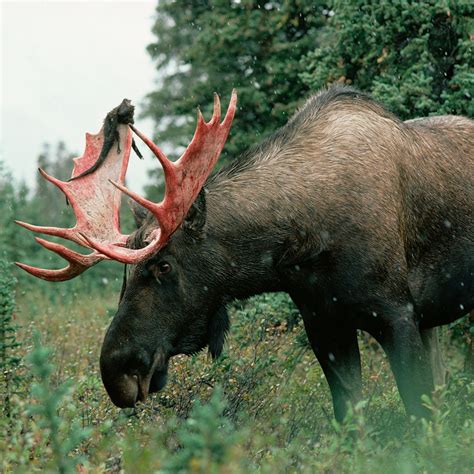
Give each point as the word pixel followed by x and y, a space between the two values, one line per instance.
pixel 415 57
pixel 205 439
pixel 252 45
pixel 61 437
pixel 8 340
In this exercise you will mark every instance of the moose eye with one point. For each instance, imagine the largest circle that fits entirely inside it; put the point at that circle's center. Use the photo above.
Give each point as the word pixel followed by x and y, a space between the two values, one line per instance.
pixel 164 268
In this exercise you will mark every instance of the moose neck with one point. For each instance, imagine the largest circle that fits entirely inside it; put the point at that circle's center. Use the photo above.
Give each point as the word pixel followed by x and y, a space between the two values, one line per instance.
pixel 251 216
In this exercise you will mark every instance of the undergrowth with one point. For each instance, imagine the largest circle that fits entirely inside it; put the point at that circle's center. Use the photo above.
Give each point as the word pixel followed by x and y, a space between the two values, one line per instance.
pixel 263 407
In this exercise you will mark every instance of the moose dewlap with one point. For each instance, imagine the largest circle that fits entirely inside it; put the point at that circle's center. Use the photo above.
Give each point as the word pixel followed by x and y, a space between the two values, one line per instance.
pixel 367 222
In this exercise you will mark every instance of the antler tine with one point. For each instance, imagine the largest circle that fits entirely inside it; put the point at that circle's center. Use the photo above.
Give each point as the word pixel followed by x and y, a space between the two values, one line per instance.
pixel 150 205
pixel 129 256
pixel 78 263
pixel 165 162
pixel 229 116
pixel 212 137
pixel 64 274
pixel 168 166
pixel 56 231
pixel 216 116
pixel 65 233
pixel 57 182
pixel 68 254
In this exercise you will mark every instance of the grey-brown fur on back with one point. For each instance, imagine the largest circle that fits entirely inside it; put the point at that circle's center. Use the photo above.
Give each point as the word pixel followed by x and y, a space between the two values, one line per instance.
pixel 346 165
pixel 300 124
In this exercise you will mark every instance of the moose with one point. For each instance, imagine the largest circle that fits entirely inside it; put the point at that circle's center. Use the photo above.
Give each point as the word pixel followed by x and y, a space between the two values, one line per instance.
pixel 366 221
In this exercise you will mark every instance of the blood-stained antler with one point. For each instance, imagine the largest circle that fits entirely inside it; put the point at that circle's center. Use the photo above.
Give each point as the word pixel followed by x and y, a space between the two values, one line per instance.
pixel 94 192
pixel 184 180
pixel 95 202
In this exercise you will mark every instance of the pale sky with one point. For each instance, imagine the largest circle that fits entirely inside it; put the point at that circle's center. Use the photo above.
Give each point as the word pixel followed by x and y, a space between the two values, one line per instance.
pixel 64 65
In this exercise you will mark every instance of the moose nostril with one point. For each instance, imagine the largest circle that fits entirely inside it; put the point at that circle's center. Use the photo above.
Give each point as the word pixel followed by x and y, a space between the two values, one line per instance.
pixel 127 374
pixel 121 371
pixel 125 391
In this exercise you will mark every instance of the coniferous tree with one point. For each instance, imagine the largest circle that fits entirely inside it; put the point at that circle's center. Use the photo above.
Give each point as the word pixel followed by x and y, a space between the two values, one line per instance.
pixel 8 341
pixel 414 56
pixel 49 201
pixel 13 199
pixel 213 46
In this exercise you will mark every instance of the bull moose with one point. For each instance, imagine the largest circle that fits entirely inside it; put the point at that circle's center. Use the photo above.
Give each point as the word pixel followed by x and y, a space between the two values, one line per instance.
pixel 366 221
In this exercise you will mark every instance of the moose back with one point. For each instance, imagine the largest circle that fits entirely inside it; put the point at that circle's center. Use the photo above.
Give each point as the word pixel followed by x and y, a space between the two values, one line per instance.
pixel 367 222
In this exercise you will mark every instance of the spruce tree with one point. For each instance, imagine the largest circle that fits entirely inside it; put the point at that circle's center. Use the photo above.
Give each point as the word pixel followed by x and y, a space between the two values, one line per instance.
pixel 414 56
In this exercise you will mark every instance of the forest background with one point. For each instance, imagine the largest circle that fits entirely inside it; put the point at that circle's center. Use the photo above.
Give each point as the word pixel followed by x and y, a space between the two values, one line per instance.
pixel 416 57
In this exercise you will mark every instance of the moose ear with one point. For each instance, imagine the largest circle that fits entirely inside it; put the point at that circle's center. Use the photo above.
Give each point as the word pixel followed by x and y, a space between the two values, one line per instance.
pixel 139 212
pixel 195 220
pixel 218 329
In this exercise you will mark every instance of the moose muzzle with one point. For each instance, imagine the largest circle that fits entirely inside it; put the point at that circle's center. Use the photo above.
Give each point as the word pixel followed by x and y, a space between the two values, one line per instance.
pixel 129 375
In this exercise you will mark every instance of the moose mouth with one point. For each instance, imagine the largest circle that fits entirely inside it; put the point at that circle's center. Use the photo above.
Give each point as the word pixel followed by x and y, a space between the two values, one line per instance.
pixel 158 381
pixel 126 390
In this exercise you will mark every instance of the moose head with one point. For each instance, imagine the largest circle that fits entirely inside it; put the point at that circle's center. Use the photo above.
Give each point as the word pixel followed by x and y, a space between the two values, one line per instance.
pixel 156 316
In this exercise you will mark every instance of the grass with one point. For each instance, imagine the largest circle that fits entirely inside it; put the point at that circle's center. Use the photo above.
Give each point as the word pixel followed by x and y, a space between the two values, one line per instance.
pixel 265 405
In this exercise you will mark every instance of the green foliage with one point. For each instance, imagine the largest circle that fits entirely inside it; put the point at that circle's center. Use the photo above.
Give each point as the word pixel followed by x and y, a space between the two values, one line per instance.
pixel 205 439
pixel 7 307
pixel 415 57
pixel 13 199
pixel 8 339
pixel 273 309
pixel 63 438
pixel 50 202
pixel 462 332
pixel 277 415
pixel 203 47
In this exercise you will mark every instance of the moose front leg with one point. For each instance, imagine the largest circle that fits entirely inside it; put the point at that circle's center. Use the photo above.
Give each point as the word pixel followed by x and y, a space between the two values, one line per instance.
pixel 400 338
pixel 430 338
pixel 337 351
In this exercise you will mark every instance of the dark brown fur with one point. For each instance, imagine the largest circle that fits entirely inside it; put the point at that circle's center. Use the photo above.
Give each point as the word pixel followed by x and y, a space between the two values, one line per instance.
pixel 366 221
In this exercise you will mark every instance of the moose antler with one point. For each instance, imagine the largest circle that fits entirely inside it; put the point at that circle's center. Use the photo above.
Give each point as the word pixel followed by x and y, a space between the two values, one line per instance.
pixel 184 180
pixel 95 203
pixel 95 187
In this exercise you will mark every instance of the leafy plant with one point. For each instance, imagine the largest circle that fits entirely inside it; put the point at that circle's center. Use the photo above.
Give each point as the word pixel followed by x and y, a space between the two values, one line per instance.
pixel 415 57
pixel 8 329
pixel 205 439
pixel 214 46
pixel 62 437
